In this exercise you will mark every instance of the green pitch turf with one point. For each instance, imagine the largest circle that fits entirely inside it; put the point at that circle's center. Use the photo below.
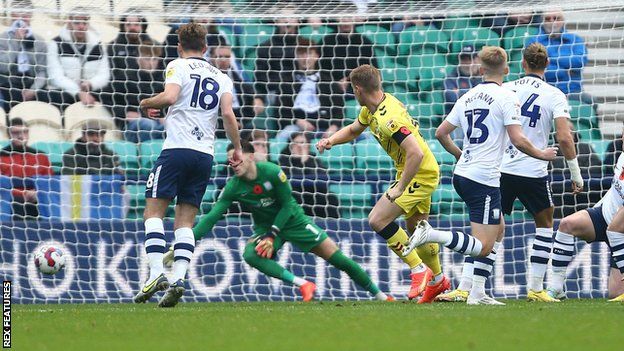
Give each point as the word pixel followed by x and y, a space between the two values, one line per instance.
pixel 571 325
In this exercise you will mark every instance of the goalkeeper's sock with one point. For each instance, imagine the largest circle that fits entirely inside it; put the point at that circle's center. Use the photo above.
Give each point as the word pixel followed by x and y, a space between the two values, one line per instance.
pixel 540 253
pixel 457 241
pixel 155 246
pixel 482 269
pixel 616 242
pixel 289 277
pixel 563 249
pixel 465 283
pixel 183 249
pixel 429 253
pixel 395 238
pixel 270 267
pixel 357 274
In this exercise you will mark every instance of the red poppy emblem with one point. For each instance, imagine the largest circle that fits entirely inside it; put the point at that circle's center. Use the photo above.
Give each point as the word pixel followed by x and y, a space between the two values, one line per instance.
pixel 257 189
pixel 622 175
pixel 405 131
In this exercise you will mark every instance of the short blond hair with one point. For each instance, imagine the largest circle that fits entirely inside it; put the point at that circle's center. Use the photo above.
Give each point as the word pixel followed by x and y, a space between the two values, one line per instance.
pixel 366 77
pixel 493 59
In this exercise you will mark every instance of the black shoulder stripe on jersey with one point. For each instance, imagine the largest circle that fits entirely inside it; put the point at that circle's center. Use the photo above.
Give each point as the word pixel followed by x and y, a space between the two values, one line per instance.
pixel 383 113
pixel 400 135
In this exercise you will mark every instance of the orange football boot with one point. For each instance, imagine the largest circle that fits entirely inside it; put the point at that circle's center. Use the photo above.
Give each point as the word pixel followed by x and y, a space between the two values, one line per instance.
pixel 419 282
pixel 307 291
pixel 431 291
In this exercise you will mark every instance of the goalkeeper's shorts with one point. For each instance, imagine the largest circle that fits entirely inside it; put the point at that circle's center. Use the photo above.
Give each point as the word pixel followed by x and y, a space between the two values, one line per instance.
pixel 305 237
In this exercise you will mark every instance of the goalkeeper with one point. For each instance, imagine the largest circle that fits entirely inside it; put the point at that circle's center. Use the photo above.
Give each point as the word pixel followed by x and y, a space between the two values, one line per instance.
pixel 263 189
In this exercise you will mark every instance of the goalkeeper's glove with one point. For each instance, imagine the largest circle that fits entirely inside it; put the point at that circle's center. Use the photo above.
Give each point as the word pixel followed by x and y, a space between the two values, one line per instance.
pixel 264 248
pixel 575 173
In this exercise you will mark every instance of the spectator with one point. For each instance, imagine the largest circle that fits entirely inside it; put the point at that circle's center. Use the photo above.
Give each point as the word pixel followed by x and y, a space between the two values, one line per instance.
pixel 89 155
pixel 567 53
pixel 142 83
pixel 19 161
pixel 303 169
pixel 213 38
pixel 342 52
pixel 345 50
pixel 245 104
pixel 465 77
pixel 277 54
pixel 78 66
pixel 260 141
pixel 22 58
pixel 304 102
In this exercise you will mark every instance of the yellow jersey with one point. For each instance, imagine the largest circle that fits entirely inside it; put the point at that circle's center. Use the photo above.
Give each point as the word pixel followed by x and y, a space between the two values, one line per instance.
pixel 392 122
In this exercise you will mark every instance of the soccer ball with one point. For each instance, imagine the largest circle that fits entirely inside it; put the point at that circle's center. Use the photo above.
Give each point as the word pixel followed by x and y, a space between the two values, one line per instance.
pixel 49 260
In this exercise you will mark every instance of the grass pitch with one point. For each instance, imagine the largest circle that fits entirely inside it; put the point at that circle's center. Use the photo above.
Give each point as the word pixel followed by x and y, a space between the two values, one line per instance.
pixel 344 326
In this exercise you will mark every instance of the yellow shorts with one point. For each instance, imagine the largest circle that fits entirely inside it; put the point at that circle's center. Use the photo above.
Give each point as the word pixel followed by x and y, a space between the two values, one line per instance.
pixel 416 198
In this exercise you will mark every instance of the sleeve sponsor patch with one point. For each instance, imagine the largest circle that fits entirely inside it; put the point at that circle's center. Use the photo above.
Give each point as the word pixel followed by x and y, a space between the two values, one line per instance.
pixel 282 176
pixel 392 126
pixel 170 72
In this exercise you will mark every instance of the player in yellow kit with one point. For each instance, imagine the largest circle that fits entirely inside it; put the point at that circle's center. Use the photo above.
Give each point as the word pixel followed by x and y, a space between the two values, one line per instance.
pixel 417 177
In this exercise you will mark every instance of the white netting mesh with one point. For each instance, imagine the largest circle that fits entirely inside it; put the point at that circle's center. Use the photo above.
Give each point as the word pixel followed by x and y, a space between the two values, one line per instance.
pixel 96 214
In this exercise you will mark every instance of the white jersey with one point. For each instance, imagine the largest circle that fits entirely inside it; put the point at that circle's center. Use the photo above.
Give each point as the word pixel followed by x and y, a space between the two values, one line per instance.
pixel 614 198
pixel 483 113
pixel 192 120
pixel 540 103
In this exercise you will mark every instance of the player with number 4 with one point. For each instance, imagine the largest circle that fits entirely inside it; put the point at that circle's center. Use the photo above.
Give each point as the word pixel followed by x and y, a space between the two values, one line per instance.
pixel 194 93
pixel 487 114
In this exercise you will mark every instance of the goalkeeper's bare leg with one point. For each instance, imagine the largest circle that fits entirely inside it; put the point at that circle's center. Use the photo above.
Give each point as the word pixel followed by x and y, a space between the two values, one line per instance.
pixel 382 220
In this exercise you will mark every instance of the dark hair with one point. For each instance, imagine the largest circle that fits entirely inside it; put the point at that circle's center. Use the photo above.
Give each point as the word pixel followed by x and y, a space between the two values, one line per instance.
pixel 192 37
pixel 133 12
pixel 245 145
pixel 221 42
pixel 286 149
pixel 14 122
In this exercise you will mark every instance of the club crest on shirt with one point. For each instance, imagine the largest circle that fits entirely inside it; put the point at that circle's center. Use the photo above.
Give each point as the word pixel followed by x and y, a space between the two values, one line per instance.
pixel 392 126
pixel 282 177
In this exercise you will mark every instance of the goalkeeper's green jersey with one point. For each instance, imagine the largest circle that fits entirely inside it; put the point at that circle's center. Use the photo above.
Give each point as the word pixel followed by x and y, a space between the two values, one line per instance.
pixel 268 198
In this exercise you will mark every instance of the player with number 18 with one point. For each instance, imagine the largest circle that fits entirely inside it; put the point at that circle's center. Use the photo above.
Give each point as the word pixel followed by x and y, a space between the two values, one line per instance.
pixel 194 92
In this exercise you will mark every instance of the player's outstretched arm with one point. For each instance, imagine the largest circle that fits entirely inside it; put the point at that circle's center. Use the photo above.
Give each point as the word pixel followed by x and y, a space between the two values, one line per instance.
pixel 443 134
pixel 413 157
pixel 522 143
pixel 344 135
pixel 231 126
pixel 207 221
pixel 566 142
pixel 163 100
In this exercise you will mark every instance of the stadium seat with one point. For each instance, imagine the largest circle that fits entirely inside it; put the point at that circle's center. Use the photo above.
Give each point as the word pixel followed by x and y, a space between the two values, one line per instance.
pixel 354 198
pixel 127 153
pixel 445 201
pixel 451 23
pixel 370 157
pixel 220 151
pixel 315 34
pixel 43 120
pixel 351 111
pixel 78 114
pixel 428 69
pixel 478 37
pixel 54 150
pixel 514 39
pixel 148 153
pixel 339 158
pixel 585 120
pixel 417 39
pixel 384 41
pixel 275 148
pixel 254 35
pixel 445 159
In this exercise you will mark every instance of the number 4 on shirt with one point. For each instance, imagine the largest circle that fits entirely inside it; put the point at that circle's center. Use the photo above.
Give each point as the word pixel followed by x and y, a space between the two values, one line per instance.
pixel 532 112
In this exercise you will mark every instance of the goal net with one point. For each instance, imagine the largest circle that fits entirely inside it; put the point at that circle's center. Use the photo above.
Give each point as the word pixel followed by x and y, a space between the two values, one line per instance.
pixel 77 150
